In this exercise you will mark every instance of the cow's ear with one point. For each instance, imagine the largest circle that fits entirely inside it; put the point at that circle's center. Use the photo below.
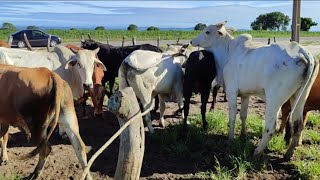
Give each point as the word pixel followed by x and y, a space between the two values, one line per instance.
pixel 185 46
pixel 100 64
pixel 70 63
pixel 96 50
pixel 230 30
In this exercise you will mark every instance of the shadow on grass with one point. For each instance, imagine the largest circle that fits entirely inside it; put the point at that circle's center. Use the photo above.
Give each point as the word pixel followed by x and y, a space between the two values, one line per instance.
pixel 171 150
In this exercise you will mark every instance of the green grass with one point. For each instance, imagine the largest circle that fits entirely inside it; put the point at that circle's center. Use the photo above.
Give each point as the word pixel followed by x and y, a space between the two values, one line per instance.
pixel 15 176
pixel 116 35
pixel 217 159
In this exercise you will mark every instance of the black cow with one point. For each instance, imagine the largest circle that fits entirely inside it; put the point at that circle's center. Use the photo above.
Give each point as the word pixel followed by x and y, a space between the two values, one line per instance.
pixel 199 74
pixel 112 57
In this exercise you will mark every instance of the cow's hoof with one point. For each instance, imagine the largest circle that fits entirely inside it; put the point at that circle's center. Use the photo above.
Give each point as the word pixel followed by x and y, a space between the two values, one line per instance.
pixel 288 155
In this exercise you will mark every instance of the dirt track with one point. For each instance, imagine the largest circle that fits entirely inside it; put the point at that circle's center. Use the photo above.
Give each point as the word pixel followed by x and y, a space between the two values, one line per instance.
pixel 63 164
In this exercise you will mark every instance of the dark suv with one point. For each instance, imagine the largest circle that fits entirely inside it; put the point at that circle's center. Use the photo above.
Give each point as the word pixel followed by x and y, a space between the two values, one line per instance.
pixel 35 38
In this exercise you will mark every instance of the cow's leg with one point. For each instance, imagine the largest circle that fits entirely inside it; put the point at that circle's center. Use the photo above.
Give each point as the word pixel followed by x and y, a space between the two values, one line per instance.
pixel 43 154
pixel 285 110
pixel 243 115
pixel 296 124
pixel 187 97
pixel 205 92
pixel 232 104
pixel 272 110
pixel 111 85
pixel 4 135
pixel 214 96
pixel 69 123
pixel 148 115
pixel 162 109
pixel 305 118
pixel 179 95
pixel 156 104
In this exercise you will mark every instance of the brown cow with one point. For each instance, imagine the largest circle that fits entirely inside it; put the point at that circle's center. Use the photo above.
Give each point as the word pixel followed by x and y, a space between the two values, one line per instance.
pixel 312 103
pixel 97 92
pixel 4 44
pixel 31 98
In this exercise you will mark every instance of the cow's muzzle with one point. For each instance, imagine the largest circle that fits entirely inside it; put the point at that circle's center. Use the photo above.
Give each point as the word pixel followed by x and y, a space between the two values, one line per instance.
pixel 87 86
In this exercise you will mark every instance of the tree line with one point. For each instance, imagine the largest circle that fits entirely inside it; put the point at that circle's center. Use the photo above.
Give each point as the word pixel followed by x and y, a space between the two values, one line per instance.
pixel 269 21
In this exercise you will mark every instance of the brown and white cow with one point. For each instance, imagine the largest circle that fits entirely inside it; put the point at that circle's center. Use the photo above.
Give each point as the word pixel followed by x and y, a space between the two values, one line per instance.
pixel 312 103
pixel 35 99
pixel 97 92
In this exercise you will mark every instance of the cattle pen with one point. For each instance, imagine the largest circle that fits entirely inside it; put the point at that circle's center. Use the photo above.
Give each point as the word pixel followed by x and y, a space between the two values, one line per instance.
pixel 199 155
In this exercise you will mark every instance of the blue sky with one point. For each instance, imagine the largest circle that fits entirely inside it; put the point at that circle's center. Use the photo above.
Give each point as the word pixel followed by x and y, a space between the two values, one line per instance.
pixel 163 14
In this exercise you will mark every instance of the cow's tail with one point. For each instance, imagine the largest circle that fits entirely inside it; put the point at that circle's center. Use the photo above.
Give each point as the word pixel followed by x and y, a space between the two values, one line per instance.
pixel 57 87
pixel 311 74
pixel 122 74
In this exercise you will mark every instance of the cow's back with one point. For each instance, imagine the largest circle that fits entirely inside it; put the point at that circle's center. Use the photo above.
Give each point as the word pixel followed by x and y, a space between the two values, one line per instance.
pixel 26 93
pixel 201 65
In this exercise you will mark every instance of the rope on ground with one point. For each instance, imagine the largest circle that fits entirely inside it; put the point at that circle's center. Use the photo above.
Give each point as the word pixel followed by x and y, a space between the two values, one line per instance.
pixel 93 158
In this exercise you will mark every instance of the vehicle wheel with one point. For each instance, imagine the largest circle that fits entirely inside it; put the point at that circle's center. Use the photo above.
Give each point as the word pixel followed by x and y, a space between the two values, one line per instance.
pixel 53 43
pixel 21 44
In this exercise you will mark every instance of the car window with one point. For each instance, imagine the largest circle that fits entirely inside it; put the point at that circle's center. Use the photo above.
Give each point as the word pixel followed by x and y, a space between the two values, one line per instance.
pixel 38 34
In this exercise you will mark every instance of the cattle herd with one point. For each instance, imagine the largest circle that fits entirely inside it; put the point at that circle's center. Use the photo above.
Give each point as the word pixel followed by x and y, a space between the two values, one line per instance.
pixel 38 88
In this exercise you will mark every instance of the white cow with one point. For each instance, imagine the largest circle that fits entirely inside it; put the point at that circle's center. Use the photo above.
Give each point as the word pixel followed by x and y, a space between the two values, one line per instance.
pixel 75 68
pixel 151 73
pixel 274 72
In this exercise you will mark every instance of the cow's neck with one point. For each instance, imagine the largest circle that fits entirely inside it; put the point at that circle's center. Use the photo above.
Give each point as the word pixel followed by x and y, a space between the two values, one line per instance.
pixel 220 51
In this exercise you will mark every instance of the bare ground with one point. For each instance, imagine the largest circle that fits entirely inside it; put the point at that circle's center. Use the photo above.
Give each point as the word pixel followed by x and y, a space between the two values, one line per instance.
pixel 63 164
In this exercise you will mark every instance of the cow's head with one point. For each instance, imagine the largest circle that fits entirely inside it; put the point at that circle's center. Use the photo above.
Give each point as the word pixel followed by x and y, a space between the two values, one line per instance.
pixel 82 64
pixel 89 44
pixel 211 34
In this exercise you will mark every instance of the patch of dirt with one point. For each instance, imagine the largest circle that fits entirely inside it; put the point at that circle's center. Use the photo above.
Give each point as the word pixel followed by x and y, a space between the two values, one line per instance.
pixel 63 164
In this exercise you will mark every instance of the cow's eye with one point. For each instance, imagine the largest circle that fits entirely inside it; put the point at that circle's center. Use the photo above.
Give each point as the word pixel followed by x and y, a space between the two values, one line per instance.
pixel 207 32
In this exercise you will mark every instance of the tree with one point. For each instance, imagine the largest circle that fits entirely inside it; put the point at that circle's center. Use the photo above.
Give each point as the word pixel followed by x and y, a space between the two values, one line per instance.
pixel 32 27
pixel 73 29
pixel 132 27
pixel 100 28
pixel 271 21
pixel 306 24
pixel 8 26
pixel 152 28
pixel 200 27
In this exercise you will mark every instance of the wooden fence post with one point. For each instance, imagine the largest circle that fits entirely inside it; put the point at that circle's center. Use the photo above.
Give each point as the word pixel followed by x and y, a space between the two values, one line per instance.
pixel 133 41
pixel 89 36
pixel 49 41
pixel 158 41
pixel 124 105
pixel 178 40
pixel 123 41
pixel 27 41
pixel 108 38
pixel 10 40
